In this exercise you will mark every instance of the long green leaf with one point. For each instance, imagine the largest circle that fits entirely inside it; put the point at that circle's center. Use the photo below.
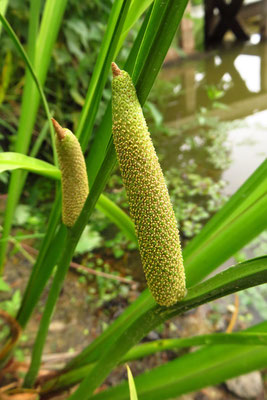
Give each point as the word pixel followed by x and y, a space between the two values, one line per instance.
pixel 3 8
pixel 240 338
pixel 240 220
pixel 10 161
pixel 158 14
pixel 47 258
pixel 208 366
pixel 35 8
pixel 117 216
pixel 25 57
pixel 157 49
pixel 54 292
pixel 137 8
pixel 250 273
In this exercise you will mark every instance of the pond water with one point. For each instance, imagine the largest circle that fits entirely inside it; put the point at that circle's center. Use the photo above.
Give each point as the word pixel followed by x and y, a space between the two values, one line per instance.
pixel 230 85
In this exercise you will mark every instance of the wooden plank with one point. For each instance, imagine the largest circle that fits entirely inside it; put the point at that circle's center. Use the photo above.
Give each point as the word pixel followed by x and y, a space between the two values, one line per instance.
pixel 238 109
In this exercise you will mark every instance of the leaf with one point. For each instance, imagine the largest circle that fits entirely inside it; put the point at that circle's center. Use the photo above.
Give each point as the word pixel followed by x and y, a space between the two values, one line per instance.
pixel 4 286
pixel 155 113
pixel 136 10
pixel 133 394
pixel 3 8
pixel 205 367
pixel 22 214
pixel 88 241
pixel 10 161
pixel 237 338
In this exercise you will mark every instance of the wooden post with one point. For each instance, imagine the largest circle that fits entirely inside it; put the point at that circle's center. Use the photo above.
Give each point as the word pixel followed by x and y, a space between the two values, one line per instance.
pixel 190 89
pixel 263 28
pixel 264 69
pixel 227 21
pixel 187 35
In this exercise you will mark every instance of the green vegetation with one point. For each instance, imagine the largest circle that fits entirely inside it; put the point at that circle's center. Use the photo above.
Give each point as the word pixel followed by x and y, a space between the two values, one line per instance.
pixel 37 214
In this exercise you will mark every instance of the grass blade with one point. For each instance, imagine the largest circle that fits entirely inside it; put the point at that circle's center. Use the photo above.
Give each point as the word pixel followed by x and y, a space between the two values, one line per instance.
pixel 133 394
pixel 35 8
pixel 54 292
pixel 240 338
pixel 137 8
pixel 44 265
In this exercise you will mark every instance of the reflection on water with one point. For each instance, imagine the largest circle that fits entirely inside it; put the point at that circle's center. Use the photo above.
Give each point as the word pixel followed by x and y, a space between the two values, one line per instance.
pixel 232 85
pixel 249 67
pixel 248 149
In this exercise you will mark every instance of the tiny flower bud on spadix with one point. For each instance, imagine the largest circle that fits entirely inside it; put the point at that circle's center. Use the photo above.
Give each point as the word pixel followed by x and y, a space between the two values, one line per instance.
pixel 149 201
pixel 73 174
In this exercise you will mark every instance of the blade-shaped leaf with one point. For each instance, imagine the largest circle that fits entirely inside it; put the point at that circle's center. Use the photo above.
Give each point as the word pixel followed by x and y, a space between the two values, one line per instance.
pixel 10 161
pixel 240 338
pixel 205 367
pixel 3 8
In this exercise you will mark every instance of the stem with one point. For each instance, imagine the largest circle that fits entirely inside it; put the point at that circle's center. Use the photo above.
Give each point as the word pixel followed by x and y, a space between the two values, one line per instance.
pixel 47 254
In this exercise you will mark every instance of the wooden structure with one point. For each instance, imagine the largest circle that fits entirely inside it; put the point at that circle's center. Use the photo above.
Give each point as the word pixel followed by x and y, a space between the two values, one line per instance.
pixel 222 16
